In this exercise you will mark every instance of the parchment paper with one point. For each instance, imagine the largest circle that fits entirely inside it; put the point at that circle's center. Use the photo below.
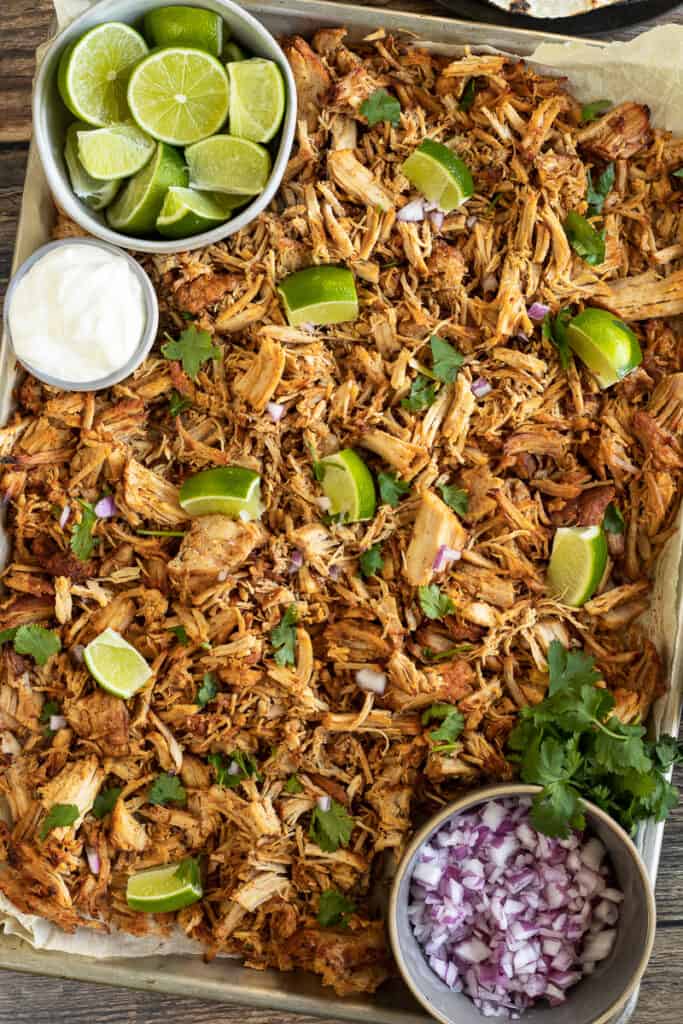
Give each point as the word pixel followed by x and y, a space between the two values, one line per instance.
pixel 648 69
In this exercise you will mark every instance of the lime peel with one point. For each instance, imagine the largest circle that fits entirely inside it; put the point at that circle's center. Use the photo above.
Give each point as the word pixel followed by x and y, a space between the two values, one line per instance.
pixel 319 295
pixel 348 484
pixel 116 665
pixel 232 491
pixel 439 174
pixel 164 889
pixel 577 563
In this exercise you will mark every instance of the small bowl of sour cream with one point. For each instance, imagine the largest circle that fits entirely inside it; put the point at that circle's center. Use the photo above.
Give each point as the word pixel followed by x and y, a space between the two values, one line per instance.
pixel 80 314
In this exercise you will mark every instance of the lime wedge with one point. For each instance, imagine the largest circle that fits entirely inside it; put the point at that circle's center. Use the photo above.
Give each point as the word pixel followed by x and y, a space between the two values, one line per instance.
pixel 116 665
pixel 179 95
pixel 114 152
pixel 225 164
pixel 187 212
pixel 96 194
pixel 185 26
pixel 319 295
pixel 138 206
pixel 605 344
pixel 577 562
pixel 348 483
pixel 160 890
pixel 440 175
pixel 94 71
pixel 229 491
pixel 257 98
pixel 231 52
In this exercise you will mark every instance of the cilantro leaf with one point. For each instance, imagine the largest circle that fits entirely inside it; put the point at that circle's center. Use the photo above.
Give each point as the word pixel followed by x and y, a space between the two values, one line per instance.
pixel 597 194
pixel 82 541
pixel 188 871
pixel 178 403
pixel 283 637
pixel 59 816
pixel 381 106
pixel 433 603
pixel 334 909
pixel 331 829
pixel 592 111
pixel 193 348
pixel 207 691
pixel 553 330
pixel 391 488
pixel 613 521
pixel 166 789
pixel 569 668
pixel 456 498
pixel 233 769
pixel 371 561
pixel 105 801
pixel 617 747
pixel 452 724
pixel 37 641
pixel 667 751
pixel 556 810
pixel 50 708
pixel 180 634
pixel 678 173
pixel 8 634
pixel 468 94
pixel 422 394
pixel 586 242
pixel 292 785
pixel 446 359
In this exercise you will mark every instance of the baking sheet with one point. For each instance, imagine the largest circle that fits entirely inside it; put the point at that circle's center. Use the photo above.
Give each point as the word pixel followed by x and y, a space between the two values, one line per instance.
pixel 653 61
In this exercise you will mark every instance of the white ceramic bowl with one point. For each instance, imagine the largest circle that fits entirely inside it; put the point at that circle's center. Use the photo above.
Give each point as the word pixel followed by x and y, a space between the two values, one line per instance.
pixel 51 119
pixel 146 340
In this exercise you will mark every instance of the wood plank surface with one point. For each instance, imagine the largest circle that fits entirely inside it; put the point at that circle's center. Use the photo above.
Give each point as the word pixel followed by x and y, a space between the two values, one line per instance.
pixel 27 999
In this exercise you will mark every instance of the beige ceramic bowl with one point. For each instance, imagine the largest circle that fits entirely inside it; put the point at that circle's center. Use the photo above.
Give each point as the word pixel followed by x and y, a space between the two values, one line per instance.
pixel 598 997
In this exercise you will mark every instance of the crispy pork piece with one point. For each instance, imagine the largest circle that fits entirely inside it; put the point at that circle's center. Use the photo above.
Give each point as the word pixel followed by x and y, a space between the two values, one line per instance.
pixel 620 133
pixel 214 548
pixel 312 79
pixel 645 295
pixel 205 291
pixel 125 831
pixel 77 783
pixel 356 181
pixel 101 719
pixel 149 496
pixel 435 526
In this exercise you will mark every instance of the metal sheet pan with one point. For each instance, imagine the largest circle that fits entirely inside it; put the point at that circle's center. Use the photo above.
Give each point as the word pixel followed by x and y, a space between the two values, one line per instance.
pixel 226 980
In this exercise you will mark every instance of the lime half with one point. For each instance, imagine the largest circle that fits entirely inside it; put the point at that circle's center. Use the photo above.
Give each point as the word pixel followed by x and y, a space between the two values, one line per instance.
pixel 114 152
pixel 605 344
pixel 229 491
pixel 440 175
pixel 257 98
pixel 185 26
pixel 160 890
pixel 319 295
pixel 116 665
pixel 94 72
pixel 96 194
pixel 226 164
pixel 138 206
pixel 348 483
pixel 179 95
pixel 187 212
pixel 577 562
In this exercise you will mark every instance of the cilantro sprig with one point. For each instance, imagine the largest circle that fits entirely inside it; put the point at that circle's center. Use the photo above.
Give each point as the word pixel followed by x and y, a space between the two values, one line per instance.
pixel 234 768
pixel 381 106
pixel 433 603
pixel 574 746
pixel 283 637
pixel 38 642
pixel 192 348
pixel 452 724
pixel 332 828
pixel 167 789
pixel 371 561
pixel 586 242
pixel 59 816
pixel 391 488
pixel 596 194
pixel 334 909
pixel 446 359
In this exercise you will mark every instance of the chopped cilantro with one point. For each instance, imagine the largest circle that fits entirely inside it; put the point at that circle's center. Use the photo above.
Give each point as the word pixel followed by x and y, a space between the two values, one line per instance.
pixel 381 106
pixel 166 789
pixel 452 724
pixel 613 521
pixel 446 655
pixel 433 603
pixel 331 829
pixel 586 242
pixel 391 488
pixel 596 194
pixel 105 801
pixel 283 637
pixel 8 634
pixel 422 394
pixel 371 561
pixel 180 634
pixel 37 641
pixel 82 541
pixel 334 909
pixel 553 330
pixel 188 871
pixel 468 94
pixel 193 348
pixel 59 816
pixel 292 785
pixel 233 769
pixel 446 359
pixel 177 403
pixel 678 173
pixel 207 691
pixel 592 111
pixel 456 498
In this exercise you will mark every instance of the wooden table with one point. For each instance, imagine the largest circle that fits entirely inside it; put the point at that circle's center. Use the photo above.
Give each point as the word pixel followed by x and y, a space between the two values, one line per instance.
pixel 26 999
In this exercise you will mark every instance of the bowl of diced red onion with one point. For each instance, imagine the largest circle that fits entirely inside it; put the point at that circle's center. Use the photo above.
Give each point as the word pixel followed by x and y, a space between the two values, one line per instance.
pixel 489 917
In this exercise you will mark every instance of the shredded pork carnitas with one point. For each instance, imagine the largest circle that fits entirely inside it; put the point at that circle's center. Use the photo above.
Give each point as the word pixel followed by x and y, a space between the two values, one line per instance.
pixel 544 447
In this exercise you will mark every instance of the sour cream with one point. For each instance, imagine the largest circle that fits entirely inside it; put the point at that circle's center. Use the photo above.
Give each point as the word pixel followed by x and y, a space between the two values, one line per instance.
pixel 78 314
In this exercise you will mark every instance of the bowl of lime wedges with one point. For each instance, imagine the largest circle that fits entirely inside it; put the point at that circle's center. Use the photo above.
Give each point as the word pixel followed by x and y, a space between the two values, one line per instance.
pixel 164 126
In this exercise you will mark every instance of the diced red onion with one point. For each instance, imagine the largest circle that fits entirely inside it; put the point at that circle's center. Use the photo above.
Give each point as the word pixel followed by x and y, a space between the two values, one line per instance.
pixel 508 915
pixel 324 802
pixel 444 557
pixel 437 218
pixel 275 410
pixel 64 516
pixel 93 858
pixel 471 221
pixel 324 504
pixel 521 336
pixel 371 681
pixel 233 768
pixel 57 722
pixel 296 560
pixel 335 572
pixel 537 311
pixel 490 283
pixel 480 387
pixel 106 507
pixel 412 212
